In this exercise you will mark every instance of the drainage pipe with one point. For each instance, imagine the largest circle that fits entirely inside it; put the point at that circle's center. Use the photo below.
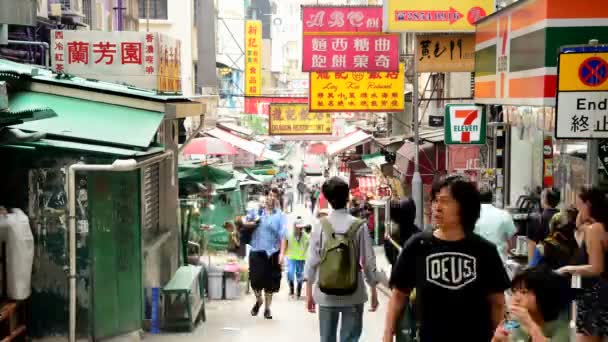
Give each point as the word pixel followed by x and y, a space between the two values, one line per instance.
pixel 44 45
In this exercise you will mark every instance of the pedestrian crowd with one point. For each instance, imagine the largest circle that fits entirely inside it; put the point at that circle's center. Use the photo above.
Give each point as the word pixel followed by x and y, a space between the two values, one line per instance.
pixel 449 283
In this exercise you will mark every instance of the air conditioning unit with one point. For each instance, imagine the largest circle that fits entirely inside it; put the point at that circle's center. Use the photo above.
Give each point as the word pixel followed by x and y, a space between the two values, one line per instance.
pixel 72 8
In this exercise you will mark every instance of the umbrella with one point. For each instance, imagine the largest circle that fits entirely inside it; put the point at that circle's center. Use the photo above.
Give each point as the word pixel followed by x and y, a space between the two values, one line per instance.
pixel 209 146
pixel 317 148
pixel 203 174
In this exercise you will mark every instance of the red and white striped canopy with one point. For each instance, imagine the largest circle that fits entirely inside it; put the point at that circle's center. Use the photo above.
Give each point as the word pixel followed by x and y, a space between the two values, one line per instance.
pixel 368 184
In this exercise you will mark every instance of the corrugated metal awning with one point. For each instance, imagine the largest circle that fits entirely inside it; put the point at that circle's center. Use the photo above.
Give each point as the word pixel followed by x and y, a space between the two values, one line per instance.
pixel 250 146
pixel 353 139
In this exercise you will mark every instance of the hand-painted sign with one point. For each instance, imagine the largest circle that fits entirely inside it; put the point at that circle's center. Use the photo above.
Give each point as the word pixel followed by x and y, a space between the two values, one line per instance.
pixel 142 59
pixel 465 124
pixel 373 52
pixel 434 15
pixel 261 105
pixel 582 98
pixel 357 91
pixel 342 19
pixel 446 53
pixel 253 58
pixel 294 119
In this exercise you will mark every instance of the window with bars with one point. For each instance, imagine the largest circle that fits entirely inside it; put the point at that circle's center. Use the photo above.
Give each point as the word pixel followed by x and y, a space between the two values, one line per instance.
pixel 153 9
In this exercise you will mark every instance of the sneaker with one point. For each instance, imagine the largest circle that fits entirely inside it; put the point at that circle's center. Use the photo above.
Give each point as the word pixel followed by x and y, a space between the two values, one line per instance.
pixel 256 309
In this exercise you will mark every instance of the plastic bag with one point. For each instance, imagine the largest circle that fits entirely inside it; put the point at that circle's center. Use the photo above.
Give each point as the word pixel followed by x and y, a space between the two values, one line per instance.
pixel 19 254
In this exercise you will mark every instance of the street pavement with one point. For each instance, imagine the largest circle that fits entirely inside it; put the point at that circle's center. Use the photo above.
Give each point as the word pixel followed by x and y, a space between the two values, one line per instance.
pixel 231 321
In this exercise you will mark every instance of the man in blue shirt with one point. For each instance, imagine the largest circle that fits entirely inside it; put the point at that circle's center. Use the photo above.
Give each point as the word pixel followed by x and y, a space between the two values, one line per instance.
pixel 267 254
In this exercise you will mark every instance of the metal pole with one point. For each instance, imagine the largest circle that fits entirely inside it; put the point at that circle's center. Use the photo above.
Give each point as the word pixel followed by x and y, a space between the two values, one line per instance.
pixel 147 15
pixel 592 162
pixel 416 179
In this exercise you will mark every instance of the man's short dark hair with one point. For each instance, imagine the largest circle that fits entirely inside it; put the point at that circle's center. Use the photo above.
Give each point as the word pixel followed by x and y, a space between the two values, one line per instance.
pixel 552 291
pixel 551 197
pixel 336 192
pixel 485 194
pixel 466 194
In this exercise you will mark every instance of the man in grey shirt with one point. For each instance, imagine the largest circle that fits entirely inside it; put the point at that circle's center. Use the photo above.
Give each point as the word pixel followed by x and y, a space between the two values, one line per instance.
pixel 350 307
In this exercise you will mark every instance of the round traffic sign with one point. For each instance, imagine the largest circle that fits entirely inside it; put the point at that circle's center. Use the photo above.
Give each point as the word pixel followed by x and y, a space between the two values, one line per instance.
pixel 593 71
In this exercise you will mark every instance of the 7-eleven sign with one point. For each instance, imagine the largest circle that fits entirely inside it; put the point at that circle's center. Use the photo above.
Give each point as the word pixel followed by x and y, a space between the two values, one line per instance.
pixel 465 124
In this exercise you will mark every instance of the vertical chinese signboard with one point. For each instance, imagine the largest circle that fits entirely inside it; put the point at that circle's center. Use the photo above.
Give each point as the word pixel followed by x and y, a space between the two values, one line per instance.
pixel 434 15
pixel 357 91
pixel 295 119
pixel 582 96
pixel 465 124
pixel 145 60
pixel 445 53
pixel 253 58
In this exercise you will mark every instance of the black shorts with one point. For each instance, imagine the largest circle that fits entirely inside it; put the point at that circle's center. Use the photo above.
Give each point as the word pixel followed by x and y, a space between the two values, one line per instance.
pixel 264 272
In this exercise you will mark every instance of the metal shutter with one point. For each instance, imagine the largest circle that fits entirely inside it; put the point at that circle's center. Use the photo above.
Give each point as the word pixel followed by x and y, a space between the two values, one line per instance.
pixel 150 194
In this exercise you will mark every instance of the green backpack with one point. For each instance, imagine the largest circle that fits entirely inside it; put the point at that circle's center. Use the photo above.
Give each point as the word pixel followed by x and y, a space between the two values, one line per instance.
pixel 339 268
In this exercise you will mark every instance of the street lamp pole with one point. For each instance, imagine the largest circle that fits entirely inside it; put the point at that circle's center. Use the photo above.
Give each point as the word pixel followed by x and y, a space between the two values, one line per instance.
pixel 416 178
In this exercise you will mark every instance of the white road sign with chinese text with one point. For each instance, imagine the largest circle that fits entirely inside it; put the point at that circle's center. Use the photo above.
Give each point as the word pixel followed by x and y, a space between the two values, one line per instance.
pixel 582 115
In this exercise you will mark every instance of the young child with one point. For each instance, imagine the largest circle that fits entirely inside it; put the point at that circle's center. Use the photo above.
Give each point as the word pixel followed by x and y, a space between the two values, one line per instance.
pixel 297 247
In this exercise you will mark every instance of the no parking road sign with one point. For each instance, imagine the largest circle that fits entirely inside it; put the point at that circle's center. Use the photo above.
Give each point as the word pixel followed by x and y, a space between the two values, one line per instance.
pixel 582 96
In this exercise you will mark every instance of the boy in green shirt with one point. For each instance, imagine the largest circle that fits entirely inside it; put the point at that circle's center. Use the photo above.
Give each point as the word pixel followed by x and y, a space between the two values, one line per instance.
pixel 297 247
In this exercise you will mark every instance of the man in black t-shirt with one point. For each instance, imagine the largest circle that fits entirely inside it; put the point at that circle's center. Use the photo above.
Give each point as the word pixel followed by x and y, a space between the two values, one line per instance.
pixel 458 276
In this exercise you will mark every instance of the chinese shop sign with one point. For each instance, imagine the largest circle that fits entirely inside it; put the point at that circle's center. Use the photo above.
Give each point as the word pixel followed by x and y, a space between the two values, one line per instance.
pixel 372 52
pixel 435 15
pixel 295 119
pixel 357 91
pixel 342 19
pixel 141 59
pixel 465 124
pixel 582 97
pixel 253 58
pixel 261 105
pixel 446 53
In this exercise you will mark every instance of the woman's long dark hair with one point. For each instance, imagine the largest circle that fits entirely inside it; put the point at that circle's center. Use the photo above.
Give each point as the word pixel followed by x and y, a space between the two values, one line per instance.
pixel 598 204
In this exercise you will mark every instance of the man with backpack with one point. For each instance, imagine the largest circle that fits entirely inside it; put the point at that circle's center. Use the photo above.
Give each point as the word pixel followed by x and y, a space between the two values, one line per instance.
pixel 340 254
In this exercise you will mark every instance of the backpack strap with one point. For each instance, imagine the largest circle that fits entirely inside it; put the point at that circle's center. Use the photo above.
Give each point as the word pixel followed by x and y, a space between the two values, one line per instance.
pixel 354 228
pixel 327 228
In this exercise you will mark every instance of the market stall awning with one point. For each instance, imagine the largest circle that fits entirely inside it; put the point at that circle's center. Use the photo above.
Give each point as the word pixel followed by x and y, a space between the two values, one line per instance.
pixel 353 139
pixel 190 172
pixel 374 159
pixel 45 144
pixel 90 121
pixel 368 184
pixel 250 146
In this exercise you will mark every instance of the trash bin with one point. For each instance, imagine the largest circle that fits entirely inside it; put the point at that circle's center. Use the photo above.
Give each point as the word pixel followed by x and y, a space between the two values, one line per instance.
pixel 232 285
pixel 215 283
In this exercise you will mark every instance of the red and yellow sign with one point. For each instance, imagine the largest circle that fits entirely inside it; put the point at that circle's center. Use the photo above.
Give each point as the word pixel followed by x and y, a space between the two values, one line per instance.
pixel 583 71
pixel 435 15
pixel 357 91
pixel 294 119
pixel 253 58
pixel 446 53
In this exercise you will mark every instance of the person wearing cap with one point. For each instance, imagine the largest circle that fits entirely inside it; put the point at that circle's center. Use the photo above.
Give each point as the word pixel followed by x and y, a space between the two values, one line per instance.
pixel 297 245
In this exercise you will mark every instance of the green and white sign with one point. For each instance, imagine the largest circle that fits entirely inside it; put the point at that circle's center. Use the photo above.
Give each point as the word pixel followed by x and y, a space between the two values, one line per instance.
pixel 465 124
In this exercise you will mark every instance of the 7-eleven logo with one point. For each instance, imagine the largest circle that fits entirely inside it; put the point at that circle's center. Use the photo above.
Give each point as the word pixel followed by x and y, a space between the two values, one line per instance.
pixel 469 117
pixel 465 124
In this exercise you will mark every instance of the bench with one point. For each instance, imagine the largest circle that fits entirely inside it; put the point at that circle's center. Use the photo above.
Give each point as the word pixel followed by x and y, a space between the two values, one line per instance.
pixel 184 300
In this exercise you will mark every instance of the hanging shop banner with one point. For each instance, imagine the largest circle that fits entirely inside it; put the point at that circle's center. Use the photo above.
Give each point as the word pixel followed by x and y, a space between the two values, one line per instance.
pixel 465 124
pixel 434 15
pixel 253 57
pixel 261 105
pixel 295 119
pixel 141 59
pixel 446 53
pixel 582 96
pixel 342 19
pixel 371 52
pixel 357 91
